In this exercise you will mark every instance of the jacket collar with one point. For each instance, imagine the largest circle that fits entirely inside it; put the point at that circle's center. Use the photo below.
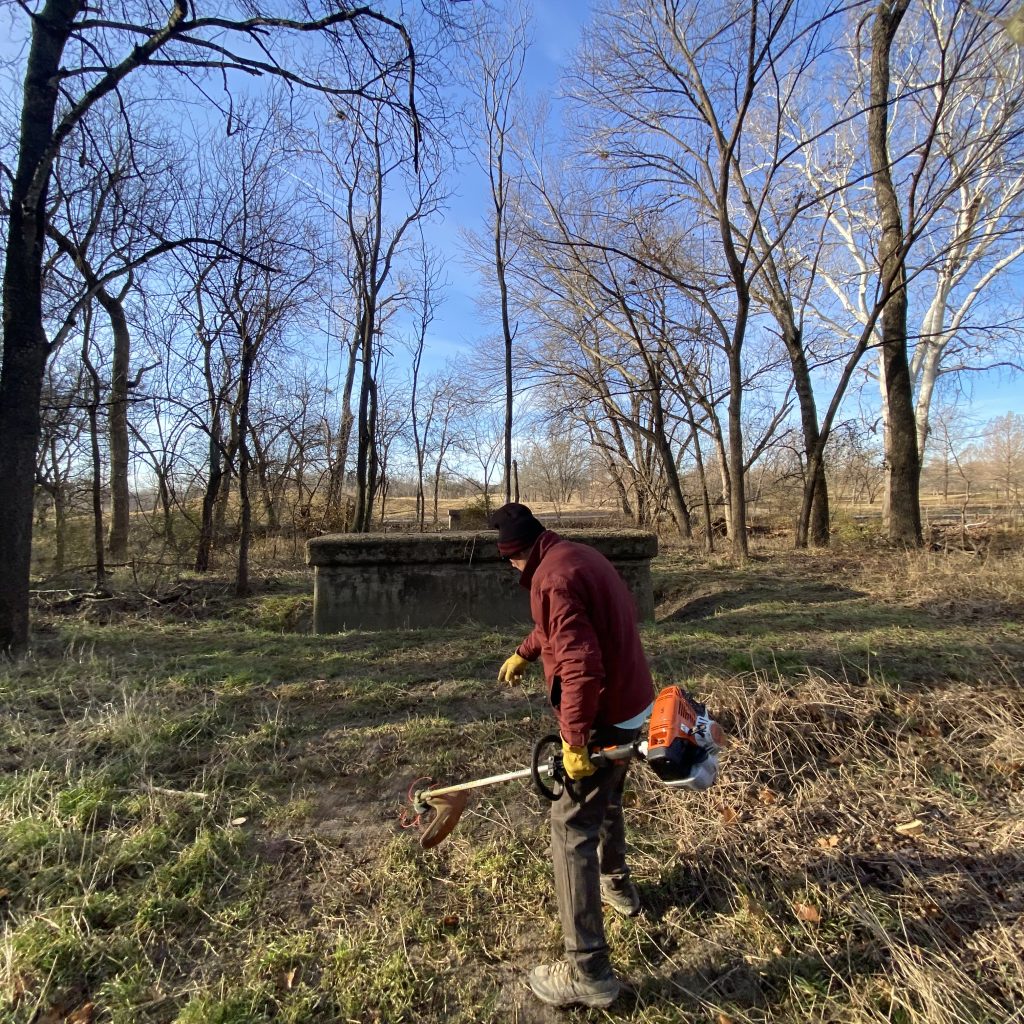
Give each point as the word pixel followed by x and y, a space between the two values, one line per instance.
pixel 541 546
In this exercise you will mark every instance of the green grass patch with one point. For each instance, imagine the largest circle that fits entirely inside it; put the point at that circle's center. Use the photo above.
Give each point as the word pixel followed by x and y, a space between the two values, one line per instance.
pixel 201 809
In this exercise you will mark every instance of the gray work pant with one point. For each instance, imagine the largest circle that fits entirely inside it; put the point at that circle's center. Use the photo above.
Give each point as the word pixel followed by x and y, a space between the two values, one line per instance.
pixel 588 840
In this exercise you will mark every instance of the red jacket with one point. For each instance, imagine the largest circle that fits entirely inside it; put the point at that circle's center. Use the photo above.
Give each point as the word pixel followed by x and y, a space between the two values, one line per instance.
pixel 586 635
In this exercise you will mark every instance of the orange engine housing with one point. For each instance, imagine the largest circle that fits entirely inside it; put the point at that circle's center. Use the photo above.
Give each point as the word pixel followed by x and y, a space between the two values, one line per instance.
pixel 673 717
pixel 681 735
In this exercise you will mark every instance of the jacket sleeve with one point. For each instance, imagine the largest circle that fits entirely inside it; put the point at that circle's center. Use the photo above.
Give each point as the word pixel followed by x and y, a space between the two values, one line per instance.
pixel 577 662
pixel 530 647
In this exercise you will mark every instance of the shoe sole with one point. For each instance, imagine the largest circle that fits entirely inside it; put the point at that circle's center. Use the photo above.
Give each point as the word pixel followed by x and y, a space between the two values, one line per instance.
pixel 599 1003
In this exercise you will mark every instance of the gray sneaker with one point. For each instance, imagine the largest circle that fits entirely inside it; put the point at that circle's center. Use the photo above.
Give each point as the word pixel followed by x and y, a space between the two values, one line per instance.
pixel 621 896
pixel 560 984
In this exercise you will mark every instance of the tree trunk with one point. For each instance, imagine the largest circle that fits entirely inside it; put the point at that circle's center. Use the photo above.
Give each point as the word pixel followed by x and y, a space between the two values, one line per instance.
pixel 813 523
pixel 60 528
pixel 364 437
pixel 220 508
pixel 204 548
pixel 437 489
pixel 373 472
pixel 244 501
pixel 680 513
pixel 902 455
pixel 117 427
pixel 166 505
pixel 97 493
pixel 25 345
pixel 337 484
pixel 269 499
pixel 92 410
pixel 698 455
pixel 929 375
pixel 506 331
pixel 737 487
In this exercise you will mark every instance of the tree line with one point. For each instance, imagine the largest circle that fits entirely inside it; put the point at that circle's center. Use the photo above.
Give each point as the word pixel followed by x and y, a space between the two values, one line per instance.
pixel 740 225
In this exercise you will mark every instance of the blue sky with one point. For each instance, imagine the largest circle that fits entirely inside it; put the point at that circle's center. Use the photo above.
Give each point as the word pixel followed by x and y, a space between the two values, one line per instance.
pixel 459 324
pixel 556 29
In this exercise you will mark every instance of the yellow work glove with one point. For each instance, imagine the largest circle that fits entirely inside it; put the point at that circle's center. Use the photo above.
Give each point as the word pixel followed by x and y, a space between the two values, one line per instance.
pixel 576 761
pixel 512 670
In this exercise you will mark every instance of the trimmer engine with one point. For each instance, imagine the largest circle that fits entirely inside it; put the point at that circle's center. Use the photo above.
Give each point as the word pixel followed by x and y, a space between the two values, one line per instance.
pixel 683 741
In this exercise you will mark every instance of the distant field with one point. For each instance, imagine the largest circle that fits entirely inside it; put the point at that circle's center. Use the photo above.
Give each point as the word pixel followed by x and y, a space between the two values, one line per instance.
pixel 200 807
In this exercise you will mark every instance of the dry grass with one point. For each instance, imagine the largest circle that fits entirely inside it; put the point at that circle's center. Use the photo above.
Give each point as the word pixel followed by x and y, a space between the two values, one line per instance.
pixel 199 810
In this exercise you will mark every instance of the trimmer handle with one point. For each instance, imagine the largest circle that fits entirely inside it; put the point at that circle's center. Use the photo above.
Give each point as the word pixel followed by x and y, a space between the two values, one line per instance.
pixel 547 761
pixel 600 756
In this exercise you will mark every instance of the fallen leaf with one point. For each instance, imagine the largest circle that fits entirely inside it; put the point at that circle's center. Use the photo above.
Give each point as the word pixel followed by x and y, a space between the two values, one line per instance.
pixel 723 1018
pixel 911 828
pixel 729 815
pixel 4 893
pixel 82 1015
pixel 766 796
pixel 805 912
pixel 828 842
pixel 239 821
pixel 450 921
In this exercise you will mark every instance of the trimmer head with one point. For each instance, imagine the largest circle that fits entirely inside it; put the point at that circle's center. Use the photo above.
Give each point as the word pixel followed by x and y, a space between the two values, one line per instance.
pixel 446 809
pixel 438 808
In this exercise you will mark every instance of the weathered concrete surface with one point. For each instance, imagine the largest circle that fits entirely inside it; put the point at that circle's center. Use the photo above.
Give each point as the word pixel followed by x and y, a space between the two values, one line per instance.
pixel 389 581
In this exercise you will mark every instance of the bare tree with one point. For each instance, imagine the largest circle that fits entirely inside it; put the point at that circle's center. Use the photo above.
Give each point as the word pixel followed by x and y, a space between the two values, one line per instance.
pixel 902 456
pixel 679 93
pixel 391 423
pixel 479 441
pixel 556 467
pixel 444 400
pixel 953 436
pixel 60 452
pixel 941 83
pixel 113 197
pixel 374 168
pixel 249 300
pixel 422 412
pixel 499 53
pixel 77 57
pixel 1004 451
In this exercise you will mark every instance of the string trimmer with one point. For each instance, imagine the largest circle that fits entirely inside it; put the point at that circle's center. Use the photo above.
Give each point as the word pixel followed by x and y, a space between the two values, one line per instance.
pixel 681 747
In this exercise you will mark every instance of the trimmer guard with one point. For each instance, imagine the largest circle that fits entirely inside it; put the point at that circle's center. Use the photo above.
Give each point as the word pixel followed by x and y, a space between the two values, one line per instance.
pixel 447 808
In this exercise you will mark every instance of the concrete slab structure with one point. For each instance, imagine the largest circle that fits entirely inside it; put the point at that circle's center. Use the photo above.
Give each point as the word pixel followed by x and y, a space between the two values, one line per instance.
pixel 395 581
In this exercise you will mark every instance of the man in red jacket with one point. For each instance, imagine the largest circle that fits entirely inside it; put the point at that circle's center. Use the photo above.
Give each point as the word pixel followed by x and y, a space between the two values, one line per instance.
pixel 600 687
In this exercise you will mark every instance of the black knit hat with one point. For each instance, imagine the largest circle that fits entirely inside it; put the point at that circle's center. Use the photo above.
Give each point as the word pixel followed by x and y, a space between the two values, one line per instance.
pixel 517 528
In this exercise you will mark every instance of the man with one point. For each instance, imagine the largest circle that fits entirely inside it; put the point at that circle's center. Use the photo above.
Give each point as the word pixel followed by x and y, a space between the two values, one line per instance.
pixel 600 687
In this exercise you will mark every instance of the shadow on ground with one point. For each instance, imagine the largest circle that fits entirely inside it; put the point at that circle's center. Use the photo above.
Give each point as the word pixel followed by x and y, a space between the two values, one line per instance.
pixel 941 904
pixel 726 598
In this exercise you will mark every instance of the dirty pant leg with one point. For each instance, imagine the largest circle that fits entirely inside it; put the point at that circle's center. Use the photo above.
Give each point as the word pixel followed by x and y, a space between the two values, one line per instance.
pixel 577 854
pixel 612 847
